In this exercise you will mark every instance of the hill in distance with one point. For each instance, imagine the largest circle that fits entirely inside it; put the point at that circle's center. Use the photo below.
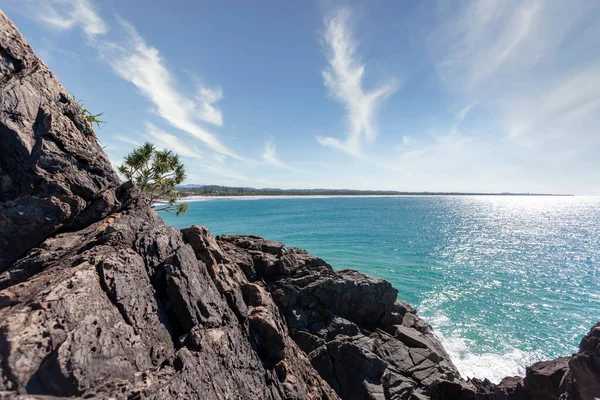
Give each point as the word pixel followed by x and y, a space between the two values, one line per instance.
pixel 224 191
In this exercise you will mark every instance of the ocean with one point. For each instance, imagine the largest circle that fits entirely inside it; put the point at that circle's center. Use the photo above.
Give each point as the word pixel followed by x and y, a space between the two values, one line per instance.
pixel 504 280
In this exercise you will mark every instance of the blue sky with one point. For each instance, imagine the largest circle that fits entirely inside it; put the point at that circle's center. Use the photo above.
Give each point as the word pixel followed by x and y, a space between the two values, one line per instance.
pixel 405 95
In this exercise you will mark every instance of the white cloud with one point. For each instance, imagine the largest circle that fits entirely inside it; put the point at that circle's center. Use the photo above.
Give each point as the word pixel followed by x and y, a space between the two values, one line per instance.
pixel 198 167
pixel 164 141
pixel 491 49
pixel 488 35
pixel 207 111
pixel 167 141
pixel 269 156
pixel 143 66
pixel 532 68
pixel 464 112
pixel 567 108
pixel 344 81
pixel 66 14
pixel 461 116
pixel 127 140
pixel 204 171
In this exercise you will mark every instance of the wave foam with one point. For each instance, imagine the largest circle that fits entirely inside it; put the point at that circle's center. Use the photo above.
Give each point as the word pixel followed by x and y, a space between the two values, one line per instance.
pixel 471 359
pixel 493 366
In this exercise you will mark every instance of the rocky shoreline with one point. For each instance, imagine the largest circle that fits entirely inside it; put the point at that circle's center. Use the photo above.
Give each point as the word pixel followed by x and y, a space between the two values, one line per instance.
pixel 100 299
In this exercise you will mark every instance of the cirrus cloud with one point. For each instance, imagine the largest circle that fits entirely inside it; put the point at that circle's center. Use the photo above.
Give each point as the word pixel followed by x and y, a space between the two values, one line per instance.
pixel 344 80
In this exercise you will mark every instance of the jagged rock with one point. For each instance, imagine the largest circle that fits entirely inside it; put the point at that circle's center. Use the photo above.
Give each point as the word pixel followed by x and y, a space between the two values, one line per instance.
pixel 411 320
pixel 585 366
pixel 397 387
pixel 204 244
pixel 409 336
pixel 544 378
pixel 357 371
pixel 338 319
pixel 510 387
pixel 449 390
pixel 53 173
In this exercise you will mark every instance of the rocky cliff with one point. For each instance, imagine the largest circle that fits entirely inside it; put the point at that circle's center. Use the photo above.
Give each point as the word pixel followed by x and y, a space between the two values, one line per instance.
pixel 100 299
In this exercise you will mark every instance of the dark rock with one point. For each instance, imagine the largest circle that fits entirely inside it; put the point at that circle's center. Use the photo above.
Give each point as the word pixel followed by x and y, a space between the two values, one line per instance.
pixel 543 378
pixel 340 326
pixel 411 320
pixel 307 342
pixel 324 364
pixel 53 173
pixel 337 317
pixel 511 387
pixel 544 381
pixel 204 244
pixel 585 366
pixel 397 387
pixel 454 390
pixel 355 368
pixel 409 336
pixel 393 351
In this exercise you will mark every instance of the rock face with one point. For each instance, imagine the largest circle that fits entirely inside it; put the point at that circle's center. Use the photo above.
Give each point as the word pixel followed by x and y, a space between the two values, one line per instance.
pixel 584 367
pixel 53 173
pixel 100 299
pixel 361 340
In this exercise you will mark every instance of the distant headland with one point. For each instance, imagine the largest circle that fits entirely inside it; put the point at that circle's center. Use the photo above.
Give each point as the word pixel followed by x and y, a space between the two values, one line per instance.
pixel 230 191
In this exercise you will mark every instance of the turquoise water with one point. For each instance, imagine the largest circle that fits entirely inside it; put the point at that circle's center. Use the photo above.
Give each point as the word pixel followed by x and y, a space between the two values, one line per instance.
pixel 504 281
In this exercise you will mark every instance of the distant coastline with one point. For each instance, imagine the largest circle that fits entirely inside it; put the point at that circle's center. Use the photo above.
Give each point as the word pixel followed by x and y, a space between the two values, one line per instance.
pixel 190 192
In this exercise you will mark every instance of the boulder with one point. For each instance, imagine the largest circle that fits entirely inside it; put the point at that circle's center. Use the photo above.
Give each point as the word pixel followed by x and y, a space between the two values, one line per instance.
pixel 511 387
pixel 584 366
pixel 543 379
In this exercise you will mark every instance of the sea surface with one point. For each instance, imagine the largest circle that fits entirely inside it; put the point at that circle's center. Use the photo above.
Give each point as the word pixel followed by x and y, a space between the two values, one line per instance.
pixel 505 281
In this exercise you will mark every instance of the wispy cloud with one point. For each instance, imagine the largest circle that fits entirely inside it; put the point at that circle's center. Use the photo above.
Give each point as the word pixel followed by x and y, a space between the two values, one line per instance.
pixel 269 156
pixel 203 171
pixel 128 140
pixel 207 97
pixel 141 64
pixel 566 109
pixel 164 140
pixel 344 81
pixel 461 116
pixel 483 37
pixel 198 166
pixel 532 65
pixel 66 14
pixel 525 72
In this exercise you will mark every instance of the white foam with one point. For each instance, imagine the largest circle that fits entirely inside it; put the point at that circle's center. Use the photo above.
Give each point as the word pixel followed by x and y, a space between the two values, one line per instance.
pixel 471 360
pixel 493 366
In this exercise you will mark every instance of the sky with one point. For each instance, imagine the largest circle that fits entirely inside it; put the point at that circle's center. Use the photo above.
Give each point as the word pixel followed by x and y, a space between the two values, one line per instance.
pixel 412 95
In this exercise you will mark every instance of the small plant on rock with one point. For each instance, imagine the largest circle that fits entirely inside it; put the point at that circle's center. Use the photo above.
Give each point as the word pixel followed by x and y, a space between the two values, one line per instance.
pixel 90 117
pixel 157 173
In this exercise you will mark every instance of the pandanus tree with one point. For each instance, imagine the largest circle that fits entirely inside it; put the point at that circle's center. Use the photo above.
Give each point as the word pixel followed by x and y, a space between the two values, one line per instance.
pixel 157 173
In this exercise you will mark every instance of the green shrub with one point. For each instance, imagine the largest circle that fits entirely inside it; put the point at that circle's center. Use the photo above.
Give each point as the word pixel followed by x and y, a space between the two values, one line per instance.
pixel 90 117
pixel 157 173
